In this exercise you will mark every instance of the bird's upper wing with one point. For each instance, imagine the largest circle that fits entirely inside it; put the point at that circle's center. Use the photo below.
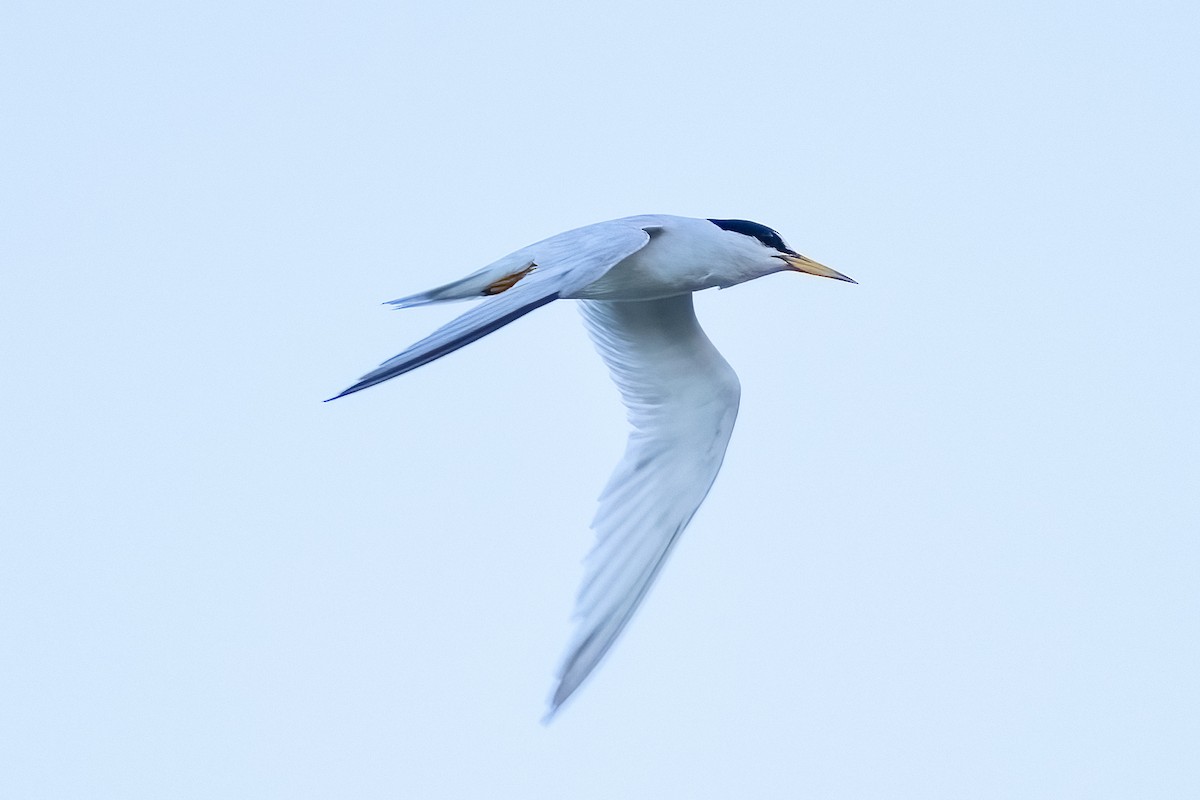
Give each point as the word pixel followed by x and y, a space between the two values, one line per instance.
pixel 561 265
pixel 682 399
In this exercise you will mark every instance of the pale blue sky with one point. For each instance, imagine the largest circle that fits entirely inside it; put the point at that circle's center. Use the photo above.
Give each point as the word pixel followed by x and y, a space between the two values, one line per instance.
pixel 953 552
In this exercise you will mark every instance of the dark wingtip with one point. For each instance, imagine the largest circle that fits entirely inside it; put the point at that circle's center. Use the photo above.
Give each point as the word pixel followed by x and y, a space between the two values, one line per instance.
pixel 351 390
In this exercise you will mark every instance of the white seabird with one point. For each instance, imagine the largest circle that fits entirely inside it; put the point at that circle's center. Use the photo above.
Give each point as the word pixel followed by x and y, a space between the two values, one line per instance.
pixel 634 277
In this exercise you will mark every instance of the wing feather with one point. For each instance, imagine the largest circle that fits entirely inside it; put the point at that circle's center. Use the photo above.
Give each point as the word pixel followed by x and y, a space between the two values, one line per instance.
pixel 562 264
pixel 681 397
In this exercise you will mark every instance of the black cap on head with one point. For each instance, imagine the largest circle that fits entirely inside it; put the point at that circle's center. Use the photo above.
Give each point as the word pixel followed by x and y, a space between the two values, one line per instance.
pixel 764 234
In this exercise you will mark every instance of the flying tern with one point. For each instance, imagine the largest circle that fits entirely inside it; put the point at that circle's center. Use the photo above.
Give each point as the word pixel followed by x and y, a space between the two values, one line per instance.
pixel 634 278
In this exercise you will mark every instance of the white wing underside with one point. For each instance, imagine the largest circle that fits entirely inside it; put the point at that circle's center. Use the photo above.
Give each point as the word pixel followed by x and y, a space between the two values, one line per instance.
pixel 682 400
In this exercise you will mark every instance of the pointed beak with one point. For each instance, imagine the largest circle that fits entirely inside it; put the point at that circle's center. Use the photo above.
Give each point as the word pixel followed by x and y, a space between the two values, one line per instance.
pixel 805 264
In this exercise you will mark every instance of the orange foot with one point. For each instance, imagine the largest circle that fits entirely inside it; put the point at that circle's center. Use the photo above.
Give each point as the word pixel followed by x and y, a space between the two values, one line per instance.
pixel 508 281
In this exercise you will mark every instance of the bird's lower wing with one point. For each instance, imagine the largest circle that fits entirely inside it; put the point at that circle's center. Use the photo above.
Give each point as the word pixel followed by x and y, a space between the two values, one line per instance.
pixel 556 267
pixel 682 400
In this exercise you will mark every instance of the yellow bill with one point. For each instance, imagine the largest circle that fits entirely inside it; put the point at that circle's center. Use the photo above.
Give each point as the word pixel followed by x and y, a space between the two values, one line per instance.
pixel 805 264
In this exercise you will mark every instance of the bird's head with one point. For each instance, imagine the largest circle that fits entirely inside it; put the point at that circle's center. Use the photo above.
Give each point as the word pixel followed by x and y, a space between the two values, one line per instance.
pixel 768 244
